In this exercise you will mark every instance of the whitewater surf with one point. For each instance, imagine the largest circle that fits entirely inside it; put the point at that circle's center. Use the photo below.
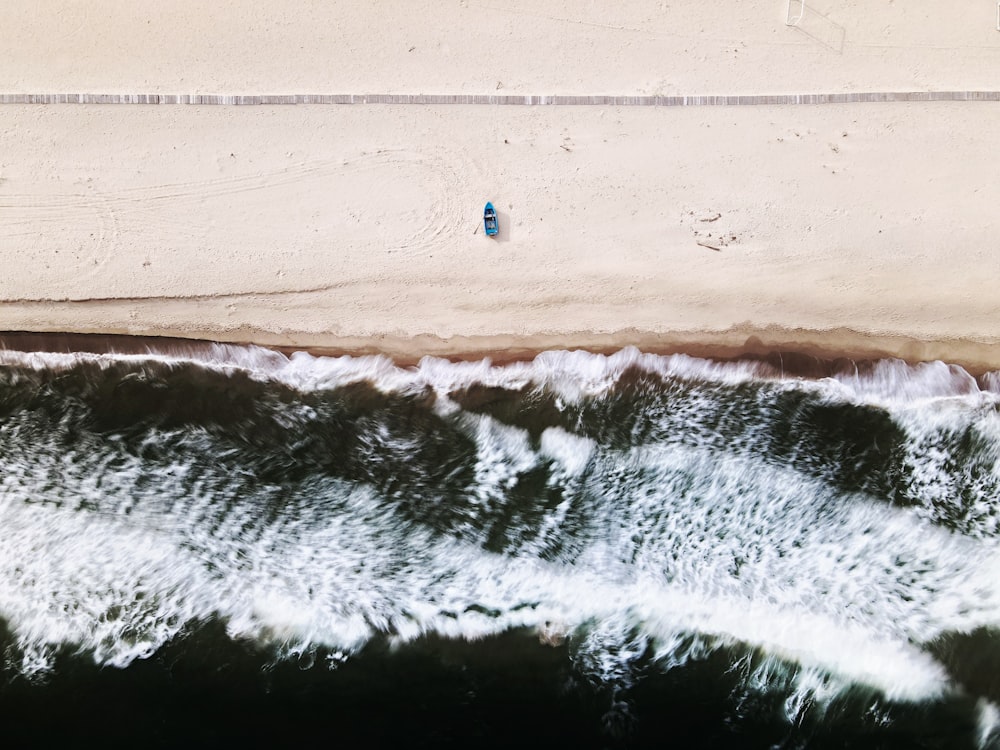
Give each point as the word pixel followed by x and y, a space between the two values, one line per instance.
pixel 616 550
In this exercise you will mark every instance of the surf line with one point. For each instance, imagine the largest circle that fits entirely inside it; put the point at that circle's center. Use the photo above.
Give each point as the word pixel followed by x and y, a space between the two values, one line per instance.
pixel 510 99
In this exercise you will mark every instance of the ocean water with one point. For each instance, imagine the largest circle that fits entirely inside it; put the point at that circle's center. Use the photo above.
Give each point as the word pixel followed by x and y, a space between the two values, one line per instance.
pixel 228 544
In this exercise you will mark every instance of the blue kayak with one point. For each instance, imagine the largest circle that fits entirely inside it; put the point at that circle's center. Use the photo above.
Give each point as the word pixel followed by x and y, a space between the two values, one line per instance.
pixel 490 220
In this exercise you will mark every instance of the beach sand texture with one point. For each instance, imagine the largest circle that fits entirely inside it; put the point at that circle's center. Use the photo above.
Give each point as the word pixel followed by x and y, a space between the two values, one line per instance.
pixel 865 228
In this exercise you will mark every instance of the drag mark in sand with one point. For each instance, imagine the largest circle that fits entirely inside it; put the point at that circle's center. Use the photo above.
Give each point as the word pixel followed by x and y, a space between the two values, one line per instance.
pixel 406 215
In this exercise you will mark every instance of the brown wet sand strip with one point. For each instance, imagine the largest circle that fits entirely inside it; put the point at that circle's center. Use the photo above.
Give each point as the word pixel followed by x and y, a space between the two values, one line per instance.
pixel 507 99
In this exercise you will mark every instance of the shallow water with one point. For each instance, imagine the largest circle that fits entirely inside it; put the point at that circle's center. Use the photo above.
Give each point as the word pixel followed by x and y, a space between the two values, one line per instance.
pixel 617 551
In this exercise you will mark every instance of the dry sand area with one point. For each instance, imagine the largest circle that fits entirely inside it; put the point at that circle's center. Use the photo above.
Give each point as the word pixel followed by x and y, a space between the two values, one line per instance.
pixel 864 228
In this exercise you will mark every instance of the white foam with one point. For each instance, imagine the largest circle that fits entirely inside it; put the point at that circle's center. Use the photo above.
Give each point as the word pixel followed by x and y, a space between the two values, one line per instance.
pixel 571 451
pixel 852 587
pixel 822 644
pixel 571 374
pixel 990 382
pixel 893 382
pixel 988 724
pixel 687 550
pixel 944 483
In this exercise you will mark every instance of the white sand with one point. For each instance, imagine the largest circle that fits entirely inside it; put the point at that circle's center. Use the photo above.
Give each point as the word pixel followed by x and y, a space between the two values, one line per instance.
pixel 468 46
pixel 866 228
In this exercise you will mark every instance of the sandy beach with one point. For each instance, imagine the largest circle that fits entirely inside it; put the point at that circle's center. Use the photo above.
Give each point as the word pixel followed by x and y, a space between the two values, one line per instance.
pixel 865 229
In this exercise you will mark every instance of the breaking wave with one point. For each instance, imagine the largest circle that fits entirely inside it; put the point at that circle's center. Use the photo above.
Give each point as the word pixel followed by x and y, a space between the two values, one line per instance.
pixel 825 547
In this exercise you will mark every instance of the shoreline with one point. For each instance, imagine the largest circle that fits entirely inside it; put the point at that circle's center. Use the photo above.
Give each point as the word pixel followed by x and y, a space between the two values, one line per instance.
pixel 808 355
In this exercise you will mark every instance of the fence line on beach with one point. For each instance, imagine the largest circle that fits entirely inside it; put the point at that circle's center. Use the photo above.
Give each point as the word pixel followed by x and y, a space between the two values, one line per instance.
pixel 507 99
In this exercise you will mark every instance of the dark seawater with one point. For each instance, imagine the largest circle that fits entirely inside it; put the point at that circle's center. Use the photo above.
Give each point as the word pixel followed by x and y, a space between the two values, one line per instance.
pixel 628 551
